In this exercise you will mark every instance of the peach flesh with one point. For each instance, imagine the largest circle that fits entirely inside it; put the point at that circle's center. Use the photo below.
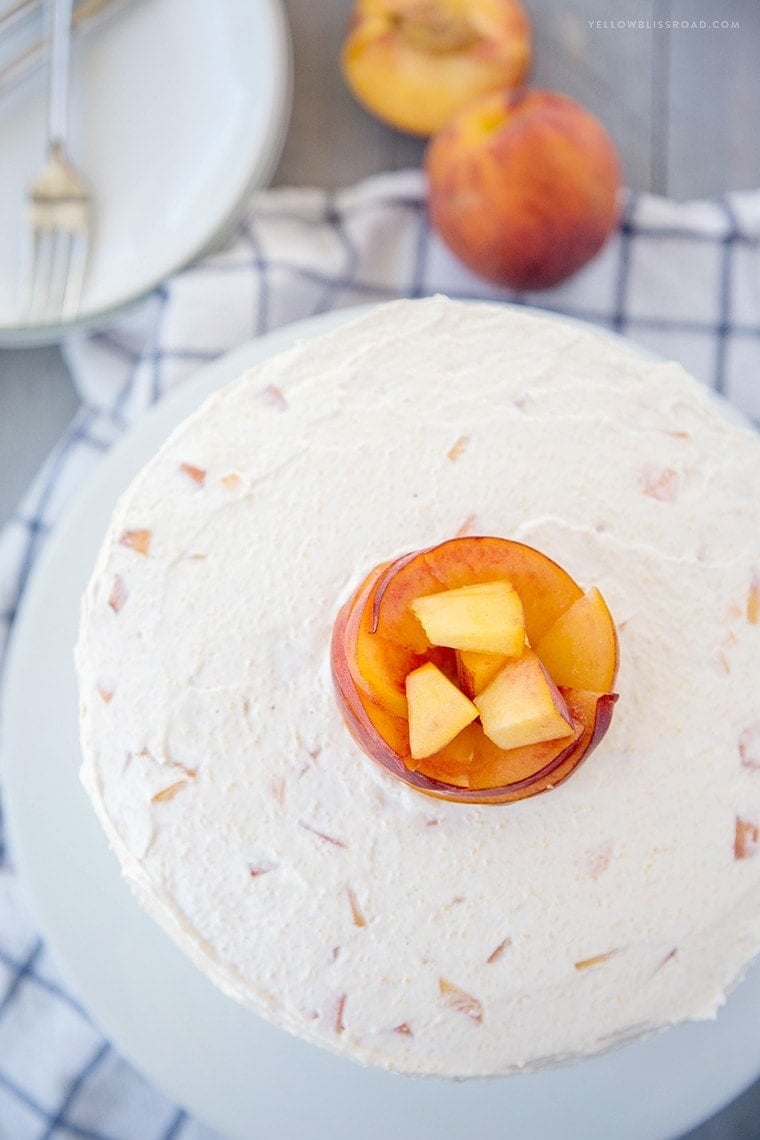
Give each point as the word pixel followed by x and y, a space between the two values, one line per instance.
pixel 522 706
pixel 438 710
pixel 415 63
pixel 580 650
pixel 385 737
pixel 545 590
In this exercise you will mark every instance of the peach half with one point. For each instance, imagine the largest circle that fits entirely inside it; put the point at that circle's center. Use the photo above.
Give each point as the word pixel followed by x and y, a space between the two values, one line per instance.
pixel 523 187
pixel 380 653
pixel 415 63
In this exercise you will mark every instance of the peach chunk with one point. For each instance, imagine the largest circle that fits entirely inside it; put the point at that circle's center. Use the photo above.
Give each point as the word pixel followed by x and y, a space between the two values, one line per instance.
pixel 438 710
pixel 538 770
pixel 197 474
pixel 460 1000
pixel 494 767
pixel 476 670
pixel 544 588
pixel 659 483
pixel 749 745
pixel 414 63
pixel 523 706
pixel 137 540
pixel 117 599
pixel 485 618
pixel 523 187
pixel 753 601
pixel 746 839
pixel 581 649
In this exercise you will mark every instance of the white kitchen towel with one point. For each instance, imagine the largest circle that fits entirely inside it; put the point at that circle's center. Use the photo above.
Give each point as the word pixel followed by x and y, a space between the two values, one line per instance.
pixel 682 279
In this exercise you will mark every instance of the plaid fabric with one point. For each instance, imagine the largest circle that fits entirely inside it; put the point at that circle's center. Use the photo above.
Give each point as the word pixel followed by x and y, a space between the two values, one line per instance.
pixel 682 279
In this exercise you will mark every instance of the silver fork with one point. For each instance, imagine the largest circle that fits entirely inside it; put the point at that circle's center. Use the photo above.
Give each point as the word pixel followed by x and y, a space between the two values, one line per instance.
pixel 59 203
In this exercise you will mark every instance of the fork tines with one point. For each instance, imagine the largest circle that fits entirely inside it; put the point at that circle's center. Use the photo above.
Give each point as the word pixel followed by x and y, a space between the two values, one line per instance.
pixel 58 207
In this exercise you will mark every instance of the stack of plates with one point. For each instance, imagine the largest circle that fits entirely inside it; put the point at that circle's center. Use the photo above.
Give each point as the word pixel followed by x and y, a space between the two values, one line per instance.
pixel 177 111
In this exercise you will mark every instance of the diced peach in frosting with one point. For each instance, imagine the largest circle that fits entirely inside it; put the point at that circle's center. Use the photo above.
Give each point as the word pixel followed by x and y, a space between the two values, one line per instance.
pixel 458 447
pixel 197 474
pixel 438 710
pixel 587 963
pixel 459 1000
pixel 598 860
pixel 119 593
pixel 255 870
pixel 499 951
pixel 484 618
pixel 138 540
pixel 340 1006
pixel 356 911
pixel 753 601
pixel 749 745
pixel 331 839
pixel 580 649
pixel 522 705
pixel 668 958
pixel 273 397
pixel 660 484
pixel 169 792
pixel 746 839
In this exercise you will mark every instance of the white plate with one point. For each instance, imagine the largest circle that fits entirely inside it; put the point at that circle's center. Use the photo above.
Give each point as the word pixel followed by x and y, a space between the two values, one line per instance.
pixel 178 109
pixel 226 1065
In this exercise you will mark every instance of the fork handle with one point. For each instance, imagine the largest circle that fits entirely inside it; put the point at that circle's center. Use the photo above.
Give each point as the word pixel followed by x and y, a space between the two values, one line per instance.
pixel 58 14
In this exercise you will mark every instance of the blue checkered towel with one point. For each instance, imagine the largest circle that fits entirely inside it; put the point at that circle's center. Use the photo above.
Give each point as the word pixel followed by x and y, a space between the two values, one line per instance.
pixel 682 279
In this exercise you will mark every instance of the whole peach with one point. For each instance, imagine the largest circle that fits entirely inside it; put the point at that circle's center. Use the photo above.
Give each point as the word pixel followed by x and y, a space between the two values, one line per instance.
pixel 523 187
pixel 414 63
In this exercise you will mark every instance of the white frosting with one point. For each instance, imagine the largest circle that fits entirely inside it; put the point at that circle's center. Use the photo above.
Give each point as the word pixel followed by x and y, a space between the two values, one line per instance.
pixel 217 669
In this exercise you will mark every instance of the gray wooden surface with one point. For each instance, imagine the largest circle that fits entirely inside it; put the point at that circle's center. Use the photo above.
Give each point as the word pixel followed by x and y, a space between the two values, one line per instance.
pixel 683 106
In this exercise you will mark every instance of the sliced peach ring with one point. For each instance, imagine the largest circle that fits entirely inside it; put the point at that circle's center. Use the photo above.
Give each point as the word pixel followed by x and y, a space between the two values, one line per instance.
pixel 457 719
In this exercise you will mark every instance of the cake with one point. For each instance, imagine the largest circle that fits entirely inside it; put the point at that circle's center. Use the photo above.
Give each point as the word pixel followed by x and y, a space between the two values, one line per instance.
pixel 420 934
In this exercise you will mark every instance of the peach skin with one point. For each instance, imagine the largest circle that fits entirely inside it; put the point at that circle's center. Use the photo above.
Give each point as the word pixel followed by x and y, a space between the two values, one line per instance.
pixel 523 187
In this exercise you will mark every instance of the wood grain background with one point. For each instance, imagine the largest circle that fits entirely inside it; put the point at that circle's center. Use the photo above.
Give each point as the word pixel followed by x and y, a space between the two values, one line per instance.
pixel 683 105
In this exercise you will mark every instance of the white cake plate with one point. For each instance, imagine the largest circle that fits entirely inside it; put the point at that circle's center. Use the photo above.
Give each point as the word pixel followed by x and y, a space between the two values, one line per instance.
pixel 223 1063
